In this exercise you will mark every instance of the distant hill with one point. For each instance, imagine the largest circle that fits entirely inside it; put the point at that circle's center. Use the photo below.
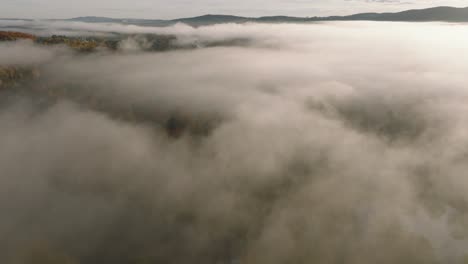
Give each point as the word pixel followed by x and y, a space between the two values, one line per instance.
pixel 94 19
pixel 194 21
pixel 441 13
pixel 129 21
pixel 212 19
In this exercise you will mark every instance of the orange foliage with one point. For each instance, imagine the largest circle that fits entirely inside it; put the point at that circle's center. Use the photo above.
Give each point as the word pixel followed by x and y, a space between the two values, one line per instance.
pixel 10 35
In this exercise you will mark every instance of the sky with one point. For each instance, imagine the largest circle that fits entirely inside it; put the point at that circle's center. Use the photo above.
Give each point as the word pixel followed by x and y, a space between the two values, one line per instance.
pixel 166 9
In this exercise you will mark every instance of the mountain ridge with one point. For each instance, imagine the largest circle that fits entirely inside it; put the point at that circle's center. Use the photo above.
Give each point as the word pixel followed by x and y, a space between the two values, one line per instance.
pixel 433 14
pixel 440 13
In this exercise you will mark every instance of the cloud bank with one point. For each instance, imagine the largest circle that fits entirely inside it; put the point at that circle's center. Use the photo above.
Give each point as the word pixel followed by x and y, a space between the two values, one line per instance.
pixel 322 143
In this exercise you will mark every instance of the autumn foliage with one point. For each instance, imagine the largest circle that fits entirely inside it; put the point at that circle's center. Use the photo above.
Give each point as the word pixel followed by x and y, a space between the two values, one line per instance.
pixel 10 35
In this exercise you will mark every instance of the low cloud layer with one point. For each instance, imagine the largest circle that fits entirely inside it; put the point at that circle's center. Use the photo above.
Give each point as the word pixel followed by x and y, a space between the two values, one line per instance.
pixel 320 143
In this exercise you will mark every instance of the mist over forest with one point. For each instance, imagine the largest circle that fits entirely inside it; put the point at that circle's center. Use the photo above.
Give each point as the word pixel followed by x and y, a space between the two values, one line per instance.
pixel 330 142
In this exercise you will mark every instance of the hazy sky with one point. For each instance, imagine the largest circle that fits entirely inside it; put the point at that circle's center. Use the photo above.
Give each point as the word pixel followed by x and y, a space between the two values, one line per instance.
pixel 183 8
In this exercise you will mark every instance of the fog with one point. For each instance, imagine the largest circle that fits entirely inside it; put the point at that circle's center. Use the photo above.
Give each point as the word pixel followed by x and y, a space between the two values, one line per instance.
pixel 317 143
